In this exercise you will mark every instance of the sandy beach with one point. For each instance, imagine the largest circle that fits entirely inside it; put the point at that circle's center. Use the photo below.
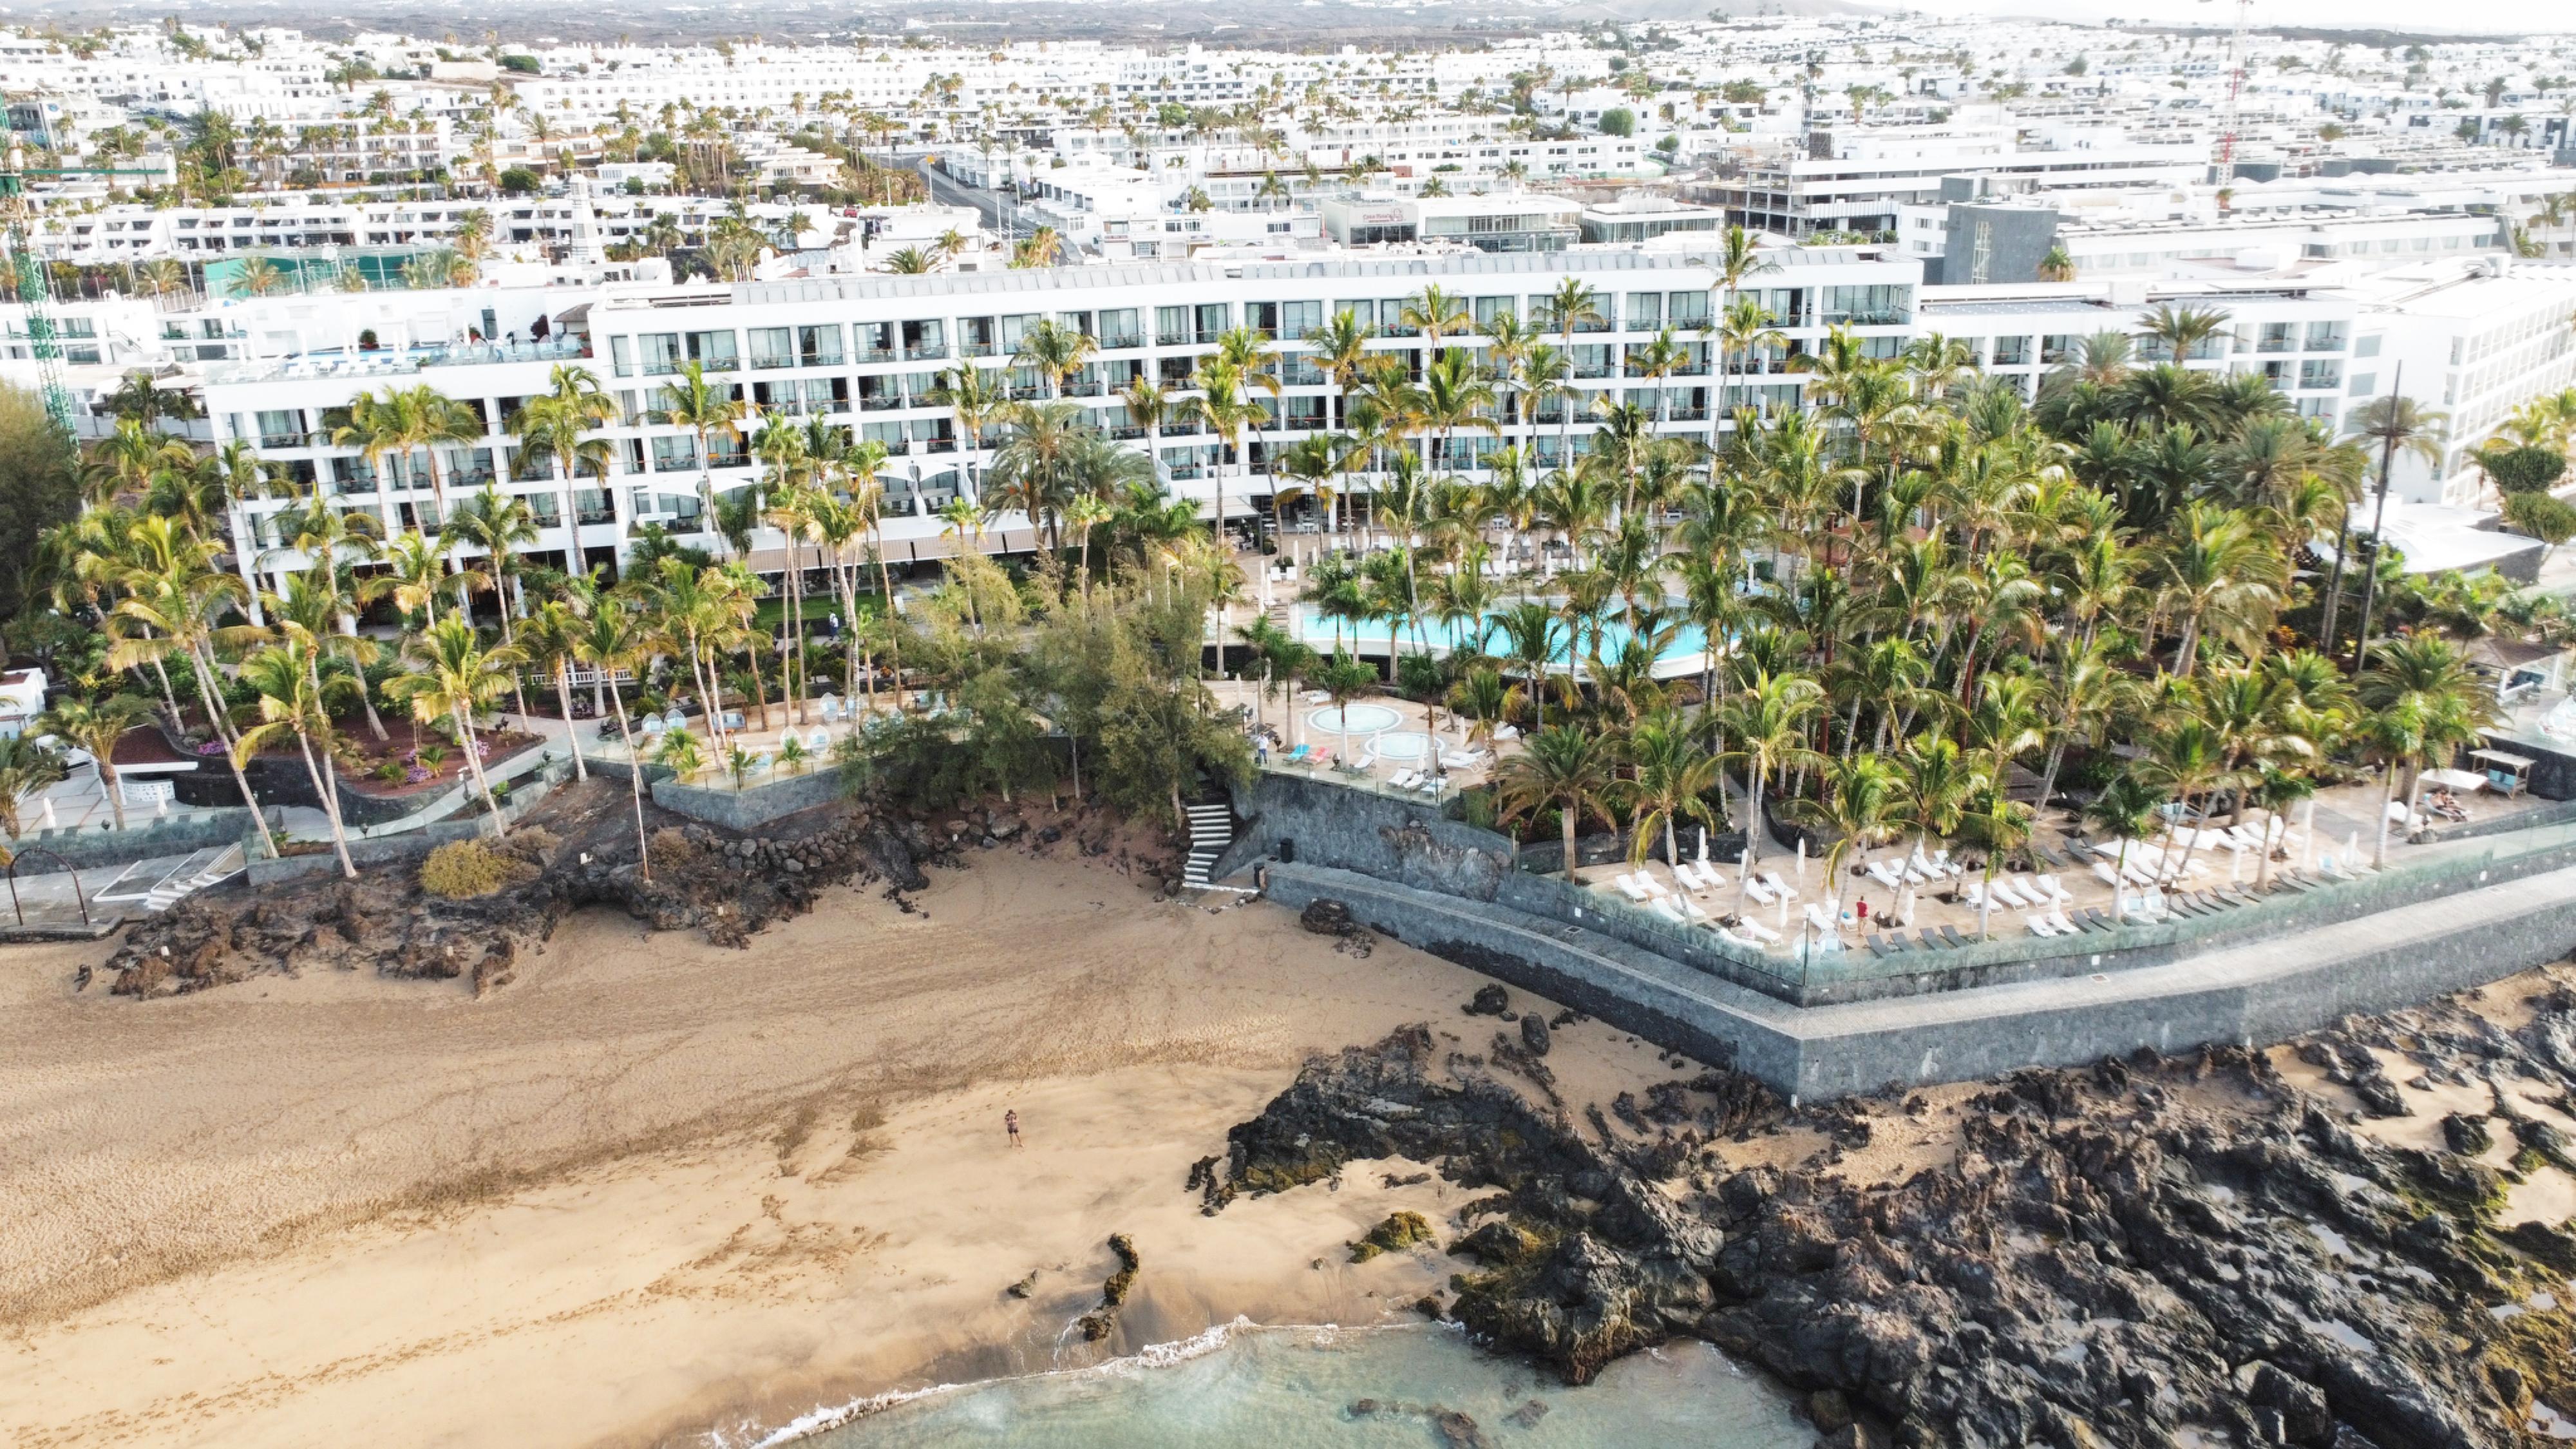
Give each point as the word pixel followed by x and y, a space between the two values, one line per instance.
pixel 655 1188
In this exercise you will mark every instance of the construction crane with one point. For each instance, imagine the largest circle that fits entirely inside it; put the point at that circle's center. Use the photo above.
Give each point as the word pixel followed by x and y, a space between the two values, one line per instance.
pixel 35 282
pixel 35 293
pixel 2235 101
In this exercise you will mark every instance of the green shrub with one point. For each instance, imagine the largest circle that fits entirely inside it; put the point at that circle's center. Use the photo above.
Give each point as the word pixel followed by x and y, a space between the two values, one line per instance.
pixel 462 869
pixel 2526 470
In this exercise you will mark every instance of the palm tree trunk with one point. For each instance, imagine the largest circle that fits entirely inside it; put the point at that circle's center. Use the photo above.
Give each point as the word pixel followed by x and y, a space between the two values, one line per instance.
pixel 1565 817
pixel 330 793
pixel 635 786
pixel 572 737
pixel 474 763
pixel 223 732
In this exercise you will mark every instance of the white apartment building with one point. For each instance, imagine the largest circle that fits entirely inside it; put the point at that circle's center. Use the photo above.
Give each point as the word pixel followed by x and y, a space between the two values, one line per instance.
pixel 2477 338
pixel 1857 179
pixel 868 351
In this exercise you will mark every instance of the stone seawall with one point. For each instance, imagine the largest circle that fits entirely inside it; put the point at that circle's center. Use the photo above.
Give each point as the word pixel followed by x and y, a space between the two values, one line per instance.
pixel 2249 994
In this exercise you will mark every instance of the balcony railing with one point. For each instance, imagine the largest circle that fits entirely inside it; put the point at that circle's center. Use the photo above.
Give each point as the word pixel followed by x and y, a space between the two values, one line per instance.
pixel 978 349
pixel 874 354
pixel 596 515
pixel 883 402
pixel 1119 341
pixel 926 352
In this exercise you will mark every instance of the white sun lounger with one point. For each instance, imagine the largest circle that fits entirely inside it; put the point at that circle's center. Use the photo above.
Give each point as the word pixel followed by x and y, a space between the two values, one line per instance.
pixel 1758 931
pixel 1628 886
pixel 1817 918
pixel 1664 907
pixel 1779 887
pixel 2000 891
pixel 1692 908
pixel 2038 927
pixel 1881 872
pixel 1754 887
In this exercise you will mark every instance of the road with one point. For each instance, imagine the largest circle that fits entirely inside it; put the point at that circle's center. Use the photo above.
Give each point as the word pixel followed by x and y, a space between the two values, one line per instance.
pixel 994 206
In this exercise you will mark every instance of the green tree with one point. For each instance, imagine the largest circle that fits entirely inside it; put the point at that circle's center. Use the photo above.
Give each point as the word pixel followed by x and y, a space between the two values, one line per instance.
pixel 1562 768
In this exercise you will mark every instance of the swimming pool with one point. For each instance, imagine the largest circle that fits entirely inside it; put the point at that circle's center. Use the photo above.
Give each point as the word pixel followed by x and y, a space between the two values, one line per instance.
pixel 1358 719
pixel 1681 655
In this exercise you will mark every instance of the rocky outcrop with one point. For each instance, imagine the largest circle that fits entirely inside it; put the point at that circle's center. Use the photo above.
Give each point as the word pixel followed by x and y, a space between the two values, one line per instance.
pixel 727 887
pixel 2149 1253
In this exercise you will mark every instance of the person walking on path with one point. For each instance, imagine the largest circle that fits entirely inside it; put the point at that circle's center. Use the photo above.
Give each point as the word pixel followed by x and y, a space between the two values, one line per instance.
pixel 1011 1125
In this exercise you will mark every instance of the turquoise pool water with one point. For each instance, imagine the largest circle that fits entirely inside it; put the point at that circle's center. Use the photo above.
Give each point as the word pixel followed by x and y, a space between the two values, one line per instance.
pixel 1683 650
pixel 1379 1388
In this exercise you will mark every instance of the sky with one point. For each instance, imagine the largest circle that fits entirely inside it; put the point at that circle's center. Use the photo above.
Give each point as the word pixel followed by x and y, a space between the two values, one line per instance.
pixel 2489 16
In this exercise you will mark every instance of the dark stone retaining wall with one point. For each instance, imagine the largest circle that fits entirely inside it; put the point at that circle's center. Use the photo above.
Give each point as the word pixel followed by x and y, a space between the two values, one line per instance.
pixel 1389 838
pixel 752 806
pixel 2250 994
pixel 150 838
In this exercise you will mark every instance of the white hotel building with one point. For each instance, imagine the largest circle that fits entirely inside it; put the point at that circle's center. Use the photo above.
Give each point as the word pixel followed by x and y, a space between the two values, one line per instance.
pixel 867 352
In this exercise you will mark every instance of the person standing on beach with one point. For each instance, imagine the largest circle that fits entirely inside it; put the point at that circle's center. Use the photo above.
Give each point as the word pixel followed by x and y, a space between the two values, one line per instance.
pixel 1011 1125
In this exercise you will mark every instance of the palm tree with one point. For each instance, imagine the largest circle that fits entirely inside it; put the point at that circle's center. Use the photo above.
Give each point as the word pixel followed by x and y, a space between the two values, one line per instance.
pixel 608 641
pixel 499 525
pixel 1862 796
pixel 975 398
pixel 283 680
pixel 705 408
pixel 455 678
pixel 1767 722
pixel 2423 701
pixel 25 768
pixel 2218 569
pixel 95 727
pixel 1056 351
pixel 1671 776
pixel 1562 768
pixel 2182 329
pixel 2398 424
pixel 559 425
pixel 551 640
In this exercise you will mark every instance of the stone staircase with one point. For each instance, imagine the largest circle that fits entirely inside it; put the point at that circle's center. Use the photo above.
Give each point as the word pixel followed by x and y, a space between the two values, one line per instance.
pixel 1211 831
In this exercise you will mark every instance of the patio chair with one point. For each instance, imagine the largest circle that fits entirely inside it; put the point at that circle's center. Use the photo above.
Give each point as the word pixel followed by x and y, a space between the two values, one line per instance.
pixel 1879 871
pixel 733 719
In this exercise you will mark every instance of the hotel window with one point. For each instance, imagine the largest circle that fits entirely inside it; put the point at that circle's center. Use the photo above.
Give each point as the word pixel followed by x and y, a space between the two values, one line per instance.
pixel 819 346
pixel 2012 351
pixel 661 353
pixel 772 347
pixel 621 354
pixel 2320 372
pixel 2326 337
pixel 715 351
pixel 675 454
pixel 1119 328
pixel 1296 319
pixel 1645 311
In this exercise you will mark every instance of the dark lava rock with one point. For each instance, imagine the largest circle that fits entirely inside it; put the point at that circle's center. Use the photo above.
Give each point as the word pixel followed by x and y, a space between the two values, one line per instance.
pixel 1327 917
pixel 1489 1001
pixel 726 886
pixel 1534 1035
pixel 2111 1258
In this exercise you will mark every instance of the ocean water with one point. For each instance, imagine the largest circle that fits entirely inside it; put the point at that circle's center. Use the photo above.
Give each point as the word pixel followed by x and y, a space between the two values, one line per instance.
pixel 1296 1387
